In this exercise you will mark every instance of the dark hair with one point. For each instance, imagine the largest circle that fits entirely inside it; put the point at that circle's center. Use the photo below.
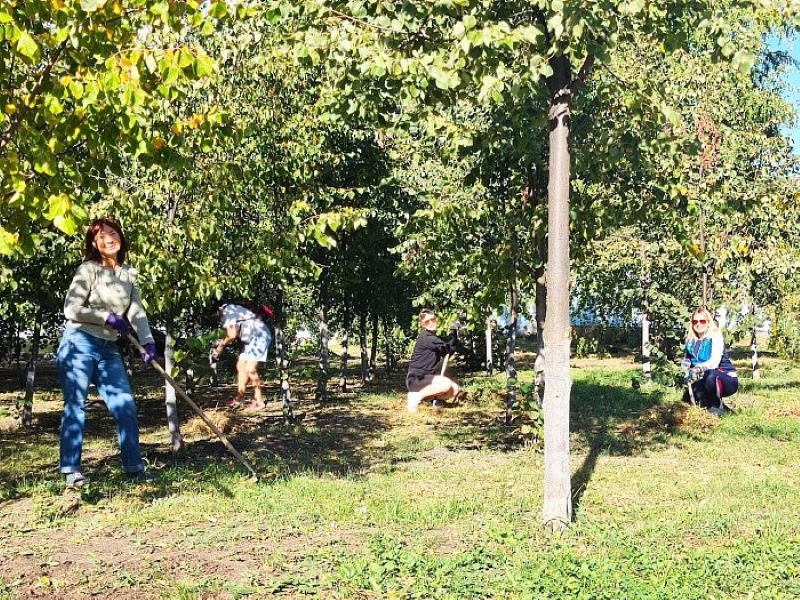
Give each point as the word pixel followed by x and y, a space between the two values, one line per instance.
pixel 91 253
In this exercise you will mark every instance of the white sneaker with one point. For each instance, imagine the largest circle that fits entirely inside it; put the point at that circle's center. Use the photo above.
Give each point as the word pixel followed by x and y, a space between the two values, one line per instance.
pixel 413 402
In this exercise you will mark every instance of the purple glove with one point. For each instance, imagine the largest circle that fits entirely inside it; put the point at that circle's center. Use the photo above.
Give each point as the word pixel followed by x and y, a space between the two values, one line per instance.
pixel 118 323
pixel 149 354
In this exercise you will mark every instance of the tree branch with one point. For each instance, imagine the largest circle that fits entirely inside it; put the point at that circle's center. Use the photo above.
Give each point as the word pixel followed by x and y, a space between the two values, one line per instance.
pixel 583 74
pixel 19 116
pixel 347 17
pixel 11 73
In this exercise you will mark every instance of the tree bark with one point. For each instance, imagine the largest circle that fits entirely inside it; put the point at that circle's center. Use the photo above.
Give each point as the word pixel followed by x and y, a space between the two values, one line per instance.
pixel 387 343
pixel 644 279
pixel 283 361
pixel 321 394
pixel 557 509
pixel 345 350
pixel 754 357
pixel 170 400
pixel 30 378
pixel 362 343
pixel 541 316
pixel 511 371
pixel 489 361
pixel 373 351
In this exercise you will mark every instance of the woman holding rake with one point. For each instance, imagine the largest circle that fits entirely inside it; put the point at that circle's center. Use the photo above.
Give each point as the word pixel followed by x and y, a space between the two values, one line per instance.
pixel 102 300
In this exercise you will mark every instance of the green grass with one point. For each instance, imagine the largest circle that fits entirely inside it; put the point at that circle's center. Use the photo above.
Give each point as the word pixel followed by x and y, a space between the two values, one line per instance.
pixel 364 501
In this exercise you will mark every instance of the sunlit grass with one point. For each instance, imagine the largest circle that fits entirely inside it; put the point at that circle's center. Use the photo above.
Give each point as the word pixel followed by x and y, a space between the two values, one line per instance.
pixel 369 502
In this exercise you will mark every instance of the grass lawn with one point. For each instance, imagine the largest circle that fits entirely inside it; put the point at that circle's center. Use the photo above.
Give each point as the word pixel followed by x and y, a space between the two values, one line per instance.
pixel 360 500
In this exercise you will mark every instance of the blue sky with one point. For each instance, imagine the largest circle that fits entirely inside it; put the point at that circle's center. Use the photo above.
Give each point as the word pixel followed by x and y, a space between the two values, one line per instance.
pixel 793 93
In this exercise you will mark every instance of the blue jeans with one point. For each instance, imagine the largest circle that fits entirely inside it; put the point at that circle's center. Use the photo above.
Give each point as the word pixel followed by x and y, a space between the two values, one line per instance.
pixel 84 359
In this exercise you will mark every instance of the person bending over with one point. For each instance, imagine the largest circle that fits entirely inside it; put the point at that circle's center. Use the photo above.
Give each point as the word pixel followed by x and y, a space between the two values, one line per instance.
pixel 242 323
pixel 706 365
pixel 423 379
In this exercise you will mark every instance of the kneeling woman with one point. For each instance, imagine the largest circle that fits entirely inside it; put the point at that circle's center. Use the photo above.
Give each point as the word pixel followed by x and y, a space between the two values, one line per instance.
pixel 708 367
pixel 422 380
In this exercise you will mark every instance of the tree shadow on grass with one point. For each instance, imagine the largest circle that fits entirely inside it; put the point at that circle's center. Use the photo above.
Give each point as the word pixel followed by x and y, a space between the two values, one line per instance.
pixel 617 421
pixel 604 419
pixel 334 438
pixel 337 438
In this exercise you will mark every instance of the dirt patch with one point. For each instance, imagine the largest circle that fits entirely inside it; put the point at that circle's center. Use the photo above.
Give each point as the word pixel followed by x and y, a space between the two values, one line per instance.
pixel 80 563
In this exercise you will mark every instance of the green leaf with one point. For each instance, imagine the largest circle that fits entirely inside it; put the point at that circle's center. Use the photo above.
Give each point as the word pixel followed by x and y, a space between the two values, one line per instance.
pixel 8 241
pixel 91 6
pixel 633 7
pixel 208 27
pixel 76 89
pixel 203 66
pixel 28 47
pixel 58 205
pixel 672 115
pixel 45 165
pixel 151 63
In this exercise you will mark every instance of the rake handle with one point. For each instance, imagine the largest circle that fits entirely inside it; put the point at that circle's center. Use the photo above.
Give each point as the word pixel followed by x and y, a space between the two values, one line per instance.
pixel 195 408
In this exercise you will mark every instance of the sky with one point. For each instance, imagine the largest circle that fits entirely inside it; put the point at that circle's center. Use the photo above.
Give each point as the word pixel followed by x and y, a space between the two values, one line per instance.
pixel 793 91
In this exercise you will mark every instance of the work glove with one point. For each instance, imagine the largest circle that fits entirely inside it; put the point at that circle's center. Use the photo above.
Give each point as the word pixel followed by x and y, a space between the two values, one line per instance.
pixel 149 353
pixel 120 324
pixel 694 374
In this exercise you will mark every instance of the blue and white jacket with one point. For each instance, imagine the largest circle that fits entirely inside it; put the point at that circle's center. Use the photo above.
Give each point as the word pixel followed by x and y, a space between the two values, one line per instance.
pixel 710 353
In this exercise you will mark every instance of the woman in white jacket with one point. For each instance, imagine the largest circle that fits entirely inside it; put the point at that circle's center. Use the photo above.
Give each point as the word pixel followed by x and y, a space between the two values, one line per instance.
pixel 706 364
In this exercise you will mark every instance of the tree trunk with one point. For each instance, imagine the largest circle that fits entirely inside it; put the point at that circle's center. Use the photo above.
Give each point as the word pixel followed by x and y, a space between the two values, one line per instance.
pixel 362 342
pixel 283 361
pixel 557 509
pixel 18 350
pixel 345 350
pixel 511 371
pixel 321 394
pixel 387 344
pixel 541 316
pixel 647 375
pixel 754 356
pixel 644 281
pixel 489 361
pixel 170 401
pixel 30 379
pixel 373 351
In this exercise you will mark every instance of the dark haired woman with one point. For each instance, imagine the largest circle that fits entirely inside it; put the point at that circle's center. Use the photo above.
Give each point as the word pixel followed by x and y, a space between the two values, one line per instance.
pixel 102 303
pixel 423 380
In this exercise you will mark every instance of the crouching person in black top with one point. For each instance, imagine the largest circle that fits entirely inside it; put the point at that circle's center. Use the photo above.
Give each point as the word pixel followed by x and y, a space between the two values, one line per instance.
pixel 423 379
